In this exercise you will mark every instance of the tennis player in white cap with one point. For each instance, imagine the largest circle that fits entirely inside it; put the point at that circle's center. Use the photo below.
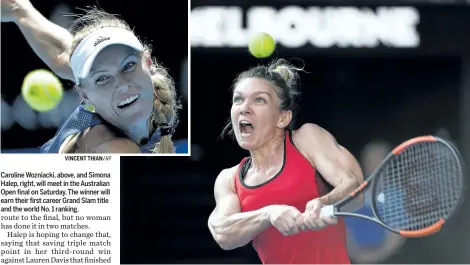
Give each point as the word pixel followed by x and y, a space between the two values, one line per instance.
pixel 129 101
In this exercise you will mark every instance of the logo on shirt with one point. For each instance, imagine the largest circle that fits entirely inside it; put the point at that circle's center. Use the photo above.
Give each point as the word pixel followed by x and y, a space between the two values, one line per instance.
pixel 101 39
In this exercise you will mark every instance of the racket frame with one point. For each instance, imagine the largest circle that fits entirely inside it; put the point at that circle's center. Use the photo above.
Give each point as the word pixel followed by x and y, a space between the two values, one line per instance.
pixel 334 209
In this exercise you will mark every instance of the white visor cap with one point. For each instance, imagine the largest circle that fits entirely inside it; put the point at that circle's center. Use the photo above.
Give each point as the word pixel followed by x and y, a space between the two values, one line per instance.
pixel 86 52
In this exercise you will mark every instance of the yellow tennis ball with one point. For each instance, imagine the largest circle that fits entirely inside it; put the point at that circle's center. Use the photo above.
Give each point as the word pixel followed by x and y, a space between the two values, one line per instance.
pixel 261 45
pixel 42 90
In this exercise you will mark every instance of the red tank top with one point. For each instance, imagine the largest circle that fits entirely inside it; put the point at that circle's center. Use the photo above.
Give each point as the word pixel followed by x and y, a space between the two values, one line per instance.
pixel 295 185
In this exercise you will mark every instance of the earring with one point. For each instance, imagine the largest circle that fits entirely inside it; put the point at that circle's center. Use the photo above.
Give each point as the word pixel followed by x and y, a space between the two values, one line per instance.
pixel 90 107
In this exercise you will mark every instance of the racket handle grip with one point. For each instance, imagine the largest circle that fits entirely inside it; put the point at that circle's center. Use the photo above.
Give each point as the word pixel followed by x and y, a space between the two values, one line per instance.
pixel 327 211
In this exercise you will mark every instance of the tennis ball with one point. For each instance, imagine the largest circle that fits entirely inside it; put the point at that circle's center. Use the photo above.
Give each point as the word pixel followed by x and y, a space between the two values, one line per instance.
pixel 261 45
pixel 42 90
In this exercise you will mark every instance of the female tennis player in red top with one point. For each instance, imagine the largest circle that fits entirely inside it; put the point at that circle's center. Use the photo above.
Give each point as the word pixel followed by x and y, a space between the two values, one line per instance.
pixel 274 197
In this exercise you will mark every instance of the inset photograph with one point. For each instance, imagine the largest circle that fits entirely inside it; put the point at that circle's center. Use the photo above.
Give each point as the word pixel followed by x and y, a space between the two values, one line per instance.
pixel 94 77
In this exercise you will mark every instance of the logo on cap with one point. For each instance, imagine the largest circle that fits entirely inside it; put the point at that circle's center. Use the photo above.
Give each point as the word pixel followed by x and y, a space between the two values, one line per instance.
pixel 101 39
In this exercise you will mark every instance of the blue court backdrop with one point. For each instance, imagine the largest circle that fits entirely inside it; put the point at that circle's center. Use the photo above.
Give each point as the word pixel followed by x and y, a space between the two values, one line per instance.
pixel 377 73
pixel 24 130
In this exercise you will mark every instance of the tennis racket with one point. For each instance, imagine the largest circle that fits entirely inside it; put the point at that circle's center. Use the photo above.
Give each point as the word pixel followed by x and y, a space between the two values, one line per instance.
pixel 416 188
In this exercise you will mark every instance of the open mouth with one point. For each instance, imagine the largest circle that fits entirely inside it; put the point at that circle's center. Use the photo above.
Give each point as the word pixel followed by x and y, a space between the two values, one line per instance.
pixel 128 101
pixel 246 128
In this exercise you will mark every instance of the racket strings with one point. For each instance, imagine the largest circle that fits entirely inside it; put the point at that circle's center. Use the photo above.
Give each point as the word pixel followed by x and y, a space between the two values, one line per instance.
pixel 419 186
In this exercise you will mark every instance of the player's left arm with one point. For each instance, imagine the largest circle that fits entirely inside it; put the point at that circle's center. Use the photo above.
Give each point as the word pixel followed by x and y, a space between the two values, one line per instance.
pixel 334 162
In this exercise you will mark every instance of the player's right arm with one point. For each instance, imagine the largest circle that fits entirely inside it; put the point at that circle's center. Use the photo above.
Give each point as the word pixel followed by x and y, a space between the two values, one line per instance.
pixel 232 228
pixel 49 41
